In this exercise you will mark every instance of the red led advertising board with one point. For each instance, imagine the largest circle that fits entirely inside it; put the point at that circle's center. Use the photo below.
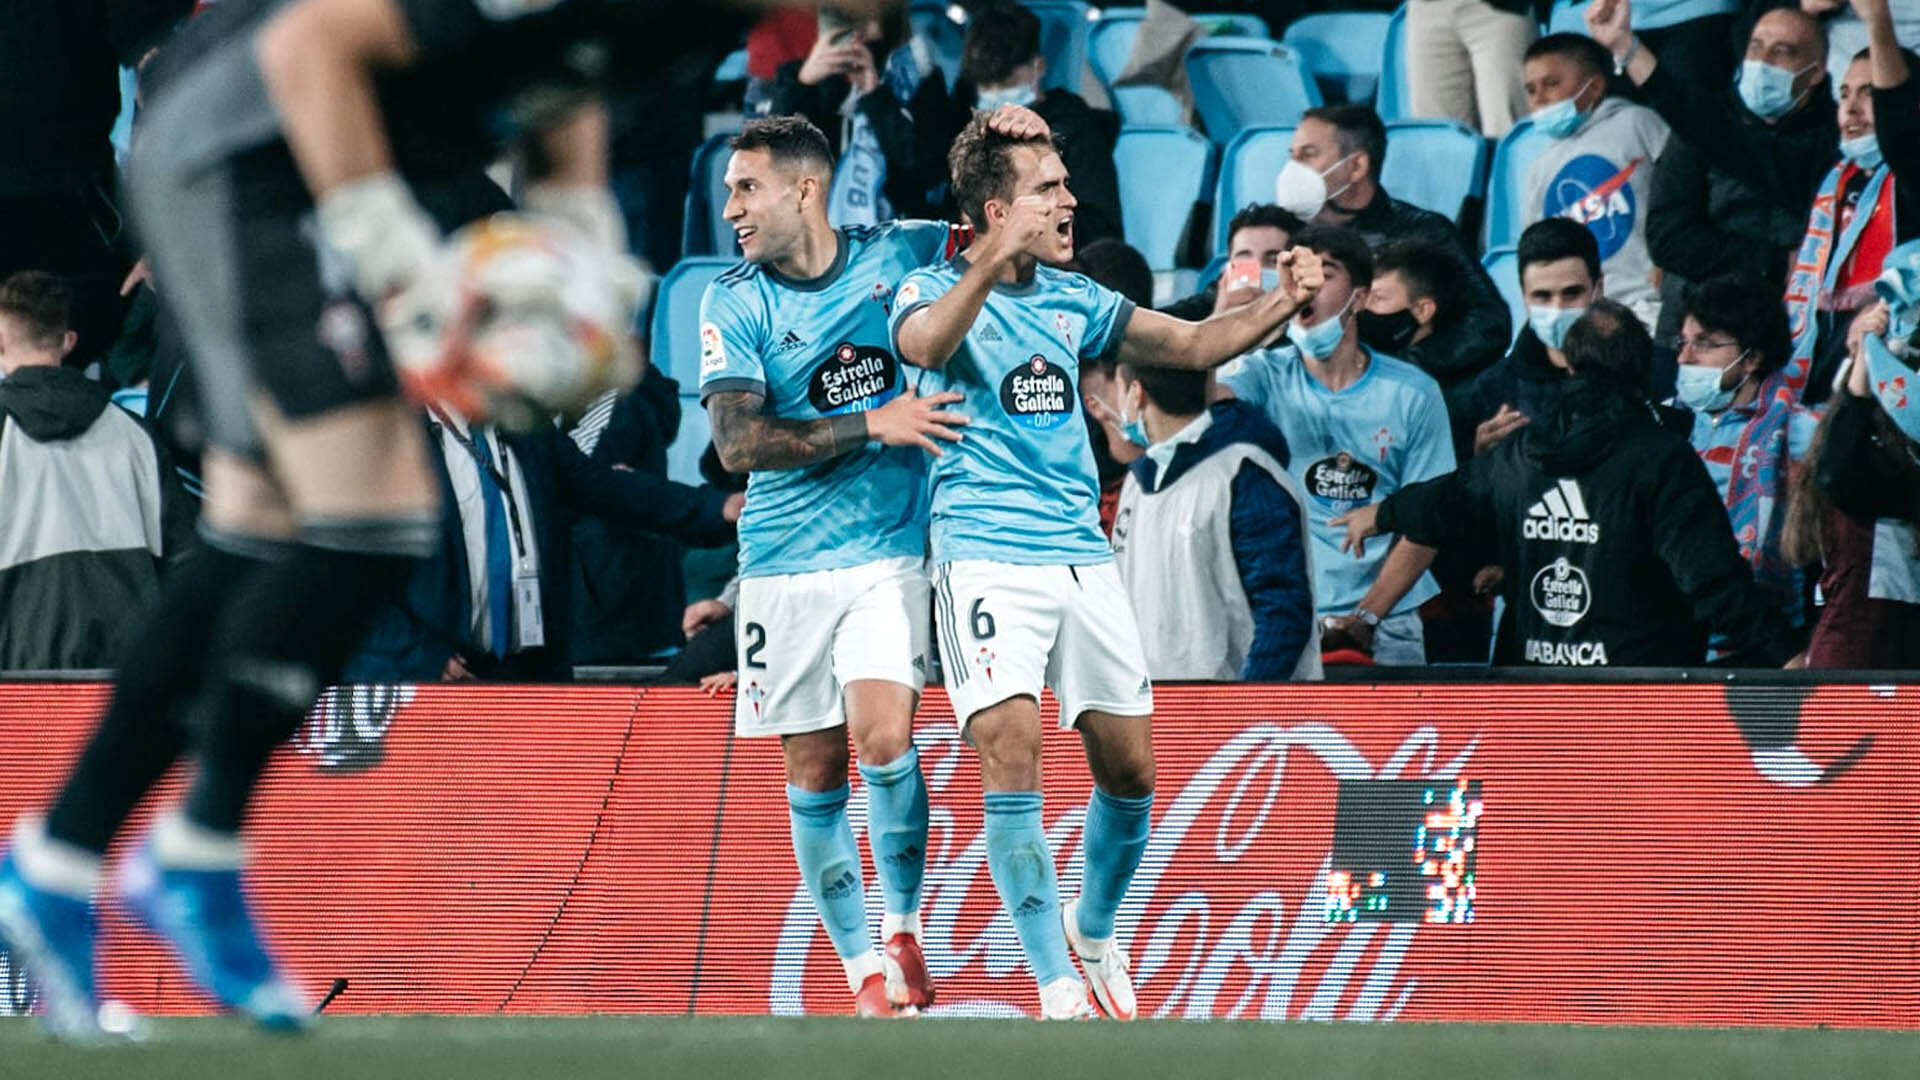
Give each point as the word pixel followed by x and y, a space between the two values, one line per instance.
pixel 1644 854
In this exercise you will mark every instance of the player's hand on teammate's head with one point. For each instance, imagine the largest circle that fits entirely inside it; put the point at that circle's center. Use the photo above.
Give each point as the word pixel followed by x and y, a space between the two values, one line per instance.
pixel 1301 275
pixel 912 420
pixel 1018 122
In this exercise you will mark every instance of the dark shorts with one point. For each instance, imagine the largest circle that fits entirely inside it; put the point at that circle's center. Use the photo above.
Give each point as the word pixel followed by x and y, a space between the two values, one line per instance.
pixel 262 308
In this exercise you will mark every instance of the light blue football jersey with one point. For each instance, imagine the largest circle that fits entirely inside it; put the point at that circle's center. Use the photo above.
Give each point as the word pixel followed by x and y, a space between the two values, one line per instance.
pixel 1348 449
pixel 1021 487
pixel 814 349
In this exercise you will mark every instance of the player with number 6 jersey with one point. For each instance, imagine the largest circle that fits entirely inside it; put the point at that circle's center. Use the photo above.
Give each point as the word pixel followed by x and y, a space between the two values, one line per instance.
pixel 1027 594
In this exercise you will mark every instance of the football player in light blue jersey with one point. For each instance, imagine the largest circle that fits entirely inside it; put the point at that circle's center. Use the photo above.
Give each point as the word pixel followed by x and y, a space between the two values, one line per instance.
pixel 805 396
pixel 1360 425
pixel 1027 594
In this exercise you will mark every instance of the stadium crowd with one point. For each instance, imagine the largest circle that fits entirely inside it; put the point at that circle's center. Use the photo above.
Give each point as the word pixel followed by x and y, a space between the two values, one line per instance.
pixel 1686 437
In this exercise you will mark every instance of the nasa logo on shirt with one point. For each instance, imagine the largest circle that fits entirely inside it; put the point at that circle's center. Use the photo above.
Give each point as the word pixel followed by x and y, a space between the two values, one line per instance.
pixel 851 378
pixel 1598 194
pixel 1037 395
pixel 1342 481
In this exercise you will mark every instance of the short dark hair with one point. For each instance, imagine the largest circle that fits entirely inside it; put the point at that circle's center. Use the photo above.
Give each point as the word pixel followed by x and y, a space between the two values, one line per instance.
pixel 1747 310
pixel 1176 391
pixel 1912 58
pixel 1360 128
pixel 1264 216
pixel 1428 271
pixel 981 164
pixel 1113 263
pixel 789 140
pixel 1555 238
pixel 1003 37
pixel 1610 344
pixel 1342 244
pixel 1579 48
pixel 42 303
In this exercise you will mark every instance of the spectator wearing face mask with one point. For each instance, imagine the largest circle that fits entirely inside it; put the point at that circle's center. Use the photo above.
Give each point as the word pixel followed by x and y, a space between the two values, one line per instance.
pixel 1748 425
pixel 1599 169
pixel 1614 542
pixel 1861 198
pixel 1211 537
pixel 1415 297
pixel 1359 425
pixel 1333 178
pixel 1001 64
pixel 1856 506
pixel 1560 278
pixel 1703 221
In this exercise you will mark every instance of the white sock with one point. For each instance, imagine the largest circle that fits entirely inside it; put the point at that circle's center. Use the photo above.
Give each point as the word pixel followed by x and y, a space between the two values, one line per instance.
pixel 53 865
pixel 908 923
pixel 179 844
pixel 860 968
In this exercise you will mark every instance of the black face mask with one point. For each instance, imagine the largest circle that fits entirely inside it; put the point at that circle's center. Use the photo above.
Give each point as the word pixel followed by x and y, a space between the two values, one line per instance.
pixel 1389 334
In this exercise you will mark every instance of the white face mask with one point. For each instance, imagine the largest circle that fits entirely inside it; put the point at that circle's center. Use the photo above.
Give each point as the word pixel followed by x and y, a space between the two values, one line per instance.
pixel 1302 189
pixel 1018 94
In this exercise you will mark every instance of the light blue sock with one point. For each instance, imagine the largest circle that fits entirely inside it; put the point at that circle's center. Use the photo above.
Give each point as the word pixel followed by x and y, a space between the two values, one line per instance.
pixel 829 861
pixel 897 828
pixel 1023 875
pixel 1116 837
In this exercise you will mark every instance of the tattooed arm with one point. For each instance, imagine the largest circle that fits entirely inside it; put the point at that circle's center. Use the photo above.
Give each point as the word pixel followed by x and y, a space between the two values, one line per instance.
pixel 748 438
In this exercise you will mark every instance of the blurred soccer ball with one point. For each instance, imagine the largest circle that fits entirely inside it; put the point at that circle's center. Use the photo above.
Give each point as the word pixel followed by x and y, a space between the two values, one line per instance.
pixel 517 320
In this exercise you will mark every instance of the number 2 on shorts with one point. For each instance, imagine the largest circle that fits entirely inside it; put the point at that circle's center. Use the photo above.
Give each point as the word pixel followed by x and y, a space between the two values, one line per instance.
pixel 756 642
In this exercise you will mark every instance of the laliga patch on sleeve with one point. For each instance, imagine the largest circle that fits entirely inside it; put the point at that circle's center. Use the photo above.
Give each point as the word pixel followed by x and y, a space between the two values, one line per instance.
pixel 908 294
pixel 502 10
pixel 713 356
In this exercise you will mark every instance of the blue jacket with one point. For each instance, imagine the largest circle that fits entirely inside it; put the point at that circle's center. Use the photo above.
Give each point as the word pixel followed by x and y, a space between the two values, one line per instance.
pixel 1269 537
pixel 412 639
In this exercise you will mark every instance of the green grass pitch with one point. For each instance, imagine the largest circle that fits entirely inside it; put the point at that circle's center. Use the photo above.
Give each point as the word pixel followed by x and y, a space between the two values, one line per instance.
pixel 424 1048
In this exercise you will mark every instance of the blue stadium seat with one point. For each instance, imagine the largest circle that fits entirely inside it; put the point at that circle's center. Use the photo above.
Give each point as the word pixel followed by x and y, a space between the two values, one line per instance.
pixel 1243 82
pixel 1390 101
pixel 1342 51
pixel 933 21
pixel 1506 183
pixel 1435 164
pixel 705 232
pixel 1233 24
pixel 1065 26
pixel 1568 17
pixel 1109 44
pixel 733 68
pixel 1248 167
pixel 1162 173
pixel 1503 266
pixel 675 350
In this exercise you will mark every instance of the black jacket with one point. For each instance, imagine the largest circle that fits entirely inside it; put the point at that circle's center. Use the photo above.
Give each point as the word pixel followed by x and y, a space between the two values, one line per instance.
pixel 412 638
pixel 629 591
pixel 1703 221
pixel 912 177
pixel 1614 540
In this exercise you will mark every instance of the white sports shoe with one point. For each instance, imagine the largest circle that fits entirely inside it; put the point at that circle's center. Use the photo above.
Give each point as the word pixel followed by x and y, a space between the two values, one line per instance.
pixel 1106 965
pixel 1065 999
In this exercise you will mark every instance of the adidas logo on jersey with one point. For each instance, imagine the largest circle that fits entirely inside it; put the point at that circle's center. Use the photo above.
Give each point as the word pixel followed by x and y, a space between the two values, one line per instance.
pixel 1032 905
pixel 1561 514
pixel 843 886
pixel 789 343
pixel 988 333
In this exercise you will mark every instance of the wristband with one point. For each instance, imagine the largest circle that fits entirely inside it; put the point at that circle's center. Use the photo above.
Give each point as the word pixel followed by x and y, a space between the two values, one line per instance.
pixel 1620 64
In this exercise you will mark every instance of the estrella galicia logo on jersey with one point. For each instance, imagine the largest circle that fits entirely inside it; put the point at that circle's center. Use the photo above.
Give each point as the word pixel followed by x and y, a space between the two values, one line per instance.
pixel 1037 394
pixel 852 378
pixel 1343 480
pixel 1594 192
pixel 1561 593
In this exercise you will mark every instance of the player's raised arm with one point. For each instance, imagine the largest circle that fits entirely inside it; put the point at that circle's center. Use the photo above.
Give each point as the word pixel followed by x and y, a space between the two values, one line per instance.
pixel 929 337
pixel 1156 339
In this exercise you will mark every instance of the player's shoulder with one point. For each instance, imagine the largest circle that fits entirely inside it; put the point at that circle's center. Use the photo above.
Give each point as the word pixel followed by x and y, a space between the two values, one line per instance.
pixel 743 282
pixel 1066 282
